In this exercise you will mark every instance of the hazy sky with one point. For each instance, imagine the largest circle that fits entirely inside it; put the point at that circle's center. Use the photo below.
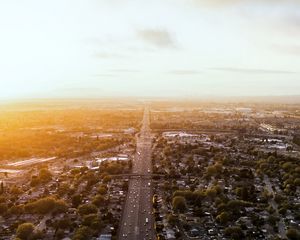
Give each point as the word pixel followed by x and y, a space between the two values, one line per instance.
pixel 189 48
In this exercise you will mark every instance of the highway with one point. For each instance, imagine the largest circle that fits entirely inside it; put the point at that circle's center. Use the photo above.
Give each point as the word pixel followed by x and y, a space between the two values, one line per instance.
pixel 137 220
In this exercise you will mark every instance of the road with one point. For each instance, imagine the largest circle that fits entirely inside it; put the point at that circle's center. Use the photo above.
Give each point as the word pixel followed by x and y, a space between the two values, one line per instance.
pixel 137 220
pixel 281 224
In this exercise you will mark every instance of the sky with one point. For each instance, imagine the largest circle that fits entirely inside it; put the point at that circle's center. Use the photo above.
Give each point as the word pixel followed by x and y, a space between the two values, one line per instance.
pixel 163 48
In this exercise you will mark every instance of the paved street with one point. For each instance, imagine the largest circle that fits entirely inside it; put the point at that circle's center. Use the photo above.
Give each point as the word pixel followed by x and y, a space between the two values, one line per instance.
pixel 281 224
pixel 137 220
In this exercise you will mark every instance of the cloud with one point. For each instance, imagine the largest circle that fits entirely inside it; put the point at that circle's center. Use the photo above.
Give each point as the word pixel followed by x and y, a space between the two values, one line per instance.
pixel 240 2
pixel 185 72
pixel 290 23
pixel 107 55
pixel 124 71
pixel 103 75
pixel 252 71
pixel 288 49
pixel 158 38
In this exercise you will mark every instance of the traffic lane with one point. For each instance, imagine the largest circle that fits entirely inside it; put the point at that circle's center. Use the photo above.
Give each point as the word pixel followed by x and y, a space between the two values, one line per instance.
pixel 137 209
pixel 143 208
pixel 134 209
pixel 145 213
pixel 125 229
pixel 141 164
pixel 130 215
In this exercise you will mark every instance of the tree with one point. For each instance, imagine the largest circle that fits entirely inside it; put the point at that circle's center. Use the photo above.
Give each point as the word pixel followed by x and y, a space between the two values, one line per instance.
pixel 172 219
pixel 64 223
pixel 293 234
pixel 1 188
pixel 16 209
pixel 297 182
pixel 45 175
pixel 25 231
pixel 34 181
pixel 179 204
pixel 59 234
pixel 211 170
pixel 15 190
pixel 214 169
pixel 82 233
pixel 102 189
pixel 273 220
pixel 46 205
pixel 107 179
pixel 92 221
pixel 99 200
pixel 187 194
pixel 86 209
pixel 223 218
pixel 63 189
pixel 3 208
pixel 235 233
pixel 60 206
pixel 76 200
pixel 211 193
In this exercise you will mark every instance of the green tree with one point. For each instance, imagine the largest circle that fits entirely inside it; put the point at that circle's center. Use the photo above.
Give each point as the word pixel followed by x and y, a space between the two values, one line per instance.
pixel 102 189
pixel 45 175
pixel 3 208
pixel 179 204
pixel 92 221
pixel 15 190
pixel 235 233
pixel 76 200
pixel 82 233
pixel 293 234
pixel 86 209
pixel 46 205
pixel 223 218
pixel 25 231
pixel 99 200
pixel 107 179
pixel 16 209
pixel 172 219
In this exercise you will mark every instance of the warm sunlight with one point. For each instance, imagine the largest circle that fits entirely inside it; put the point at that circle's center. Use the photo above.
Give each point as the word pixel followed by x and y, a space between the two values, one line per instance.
pixel 150 120
pixel 112 48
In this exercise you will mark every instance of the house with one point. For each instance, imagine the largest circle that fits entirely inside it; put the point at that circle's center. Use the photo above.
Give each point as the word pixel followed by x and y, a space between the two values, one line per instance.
pixel 194 232
pixel 105 237
pixel 170 234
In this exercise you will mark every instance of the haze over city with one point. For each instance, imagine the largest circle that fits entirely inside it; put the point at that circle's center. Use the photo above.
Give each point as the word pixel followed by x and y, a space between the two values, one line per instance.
pixel 150 120
pixel 174 48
